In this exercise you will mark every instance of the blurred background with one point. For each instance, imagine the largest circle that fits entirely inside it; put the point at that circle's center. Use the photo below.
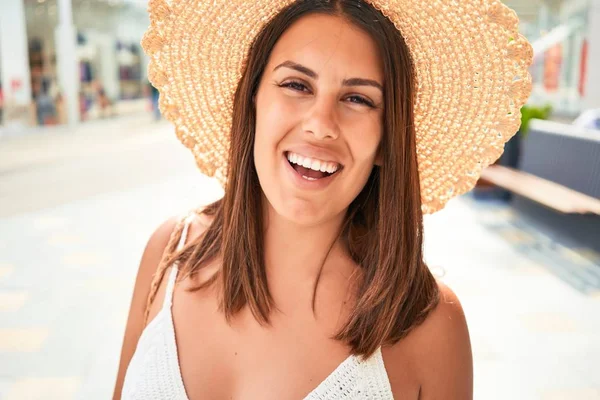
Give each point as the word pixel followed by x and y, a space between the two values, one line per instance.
pixel 88 170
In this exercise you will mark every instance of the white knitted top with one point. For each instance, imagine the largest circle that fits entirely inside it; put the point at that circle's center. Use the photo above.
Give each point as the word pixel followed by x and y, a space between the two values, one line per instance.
pixel 154 374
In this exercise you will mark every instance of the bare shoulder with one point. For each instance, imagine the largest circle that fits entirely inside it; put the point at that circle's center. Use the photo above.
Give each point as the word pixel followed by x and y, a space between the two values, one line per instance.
pixel 438 352
pixel 160 238
pixel 157 244
pixel 151 258
pixel 448 317
pixel 197 223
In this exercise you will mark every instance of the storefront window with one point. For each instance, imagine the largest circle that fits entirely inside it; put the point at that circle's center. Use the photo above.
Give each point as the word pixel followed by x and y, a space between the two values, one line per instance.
pixel 130 70
pixel 109 59
pixel 559 35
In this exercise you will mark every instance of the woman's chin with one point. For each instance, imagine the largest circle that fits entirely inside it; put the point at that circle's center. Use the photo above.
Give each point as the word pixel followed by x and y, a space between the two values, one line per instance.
pixel 300 207
pixel 305 213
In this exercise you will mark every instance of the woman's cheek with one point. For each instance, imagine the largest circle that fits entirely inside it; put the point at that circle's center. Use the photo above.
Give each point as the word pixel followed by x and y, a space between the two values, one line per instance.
pixel 365 140
pixel 280 111
pixel 288 106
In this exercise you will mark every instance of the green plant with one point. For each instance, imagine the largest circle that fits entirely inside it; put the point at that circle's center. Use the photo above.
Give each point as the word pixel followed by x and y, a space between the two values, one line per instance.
pixel 529 112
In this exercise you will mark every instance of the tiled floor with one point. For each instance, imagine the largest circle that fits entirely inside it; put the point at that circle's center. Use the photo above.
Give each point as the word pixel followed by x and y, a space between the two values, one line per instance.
pixel 66 276
pixel 534 334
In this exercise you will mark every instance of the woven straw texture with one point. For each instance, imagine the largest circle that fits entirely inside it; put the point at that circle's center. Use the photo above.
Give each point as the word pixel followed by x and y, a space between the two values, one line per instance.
pixel 472 79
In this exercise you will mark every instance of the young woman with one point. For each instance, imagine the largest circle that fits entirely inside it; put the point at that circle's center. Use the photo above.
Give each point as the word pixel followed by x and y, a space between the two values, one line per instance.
pixel 333 126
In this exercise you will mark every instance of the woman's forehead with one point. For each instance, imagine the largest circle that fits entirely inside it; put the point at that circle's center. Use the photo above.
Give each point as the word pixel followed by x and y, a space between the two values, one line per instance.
pixel 329 45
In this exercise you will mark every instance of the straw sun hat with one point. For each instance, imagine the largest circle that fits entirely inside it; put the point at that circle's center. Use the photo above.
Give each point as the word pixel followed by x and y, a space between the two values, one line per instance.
pixel 471 65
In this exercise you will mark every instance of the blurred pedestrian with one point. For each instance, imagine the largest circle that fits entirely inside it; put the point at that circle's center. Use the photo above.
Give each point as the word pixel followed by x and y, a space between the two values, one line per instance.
pixel 104 103
pixel 83 105
pixel 332 133
pixel 154 96
pixel 44 105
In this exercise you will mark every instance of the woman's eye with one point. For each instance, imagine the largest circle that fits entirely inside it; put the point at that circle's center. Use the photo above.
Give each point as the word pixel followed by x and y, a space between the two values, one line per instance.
pixel 294 86
pixel 300 87
pixel 361 100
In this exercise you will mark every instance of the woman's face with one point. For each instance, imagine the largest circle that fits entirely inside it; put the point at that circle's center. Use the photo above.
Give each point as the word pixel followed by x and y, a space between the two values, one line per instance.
pixel 320 105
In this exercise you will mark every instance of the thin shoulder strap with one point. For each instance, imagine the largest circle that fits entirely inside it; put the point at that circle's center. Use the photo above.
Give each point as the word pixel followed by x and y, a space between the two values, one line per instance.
pixel 168 301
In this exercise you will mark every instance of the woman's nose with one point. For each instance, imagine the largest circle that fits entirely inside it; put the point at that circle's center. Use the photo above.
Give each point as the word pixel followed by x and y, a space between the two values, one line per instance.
pixel 321 120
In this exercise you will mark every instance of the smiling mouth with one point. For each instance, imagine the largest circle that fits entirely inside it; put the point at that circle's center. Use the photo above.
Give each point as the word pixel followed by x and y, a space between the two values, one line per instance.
pixel 314 172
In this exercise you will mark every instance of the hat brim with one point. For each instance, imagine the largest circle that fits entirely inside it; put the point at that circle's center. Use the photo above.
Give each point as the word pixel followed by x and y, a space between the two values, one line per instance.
pixel 471 64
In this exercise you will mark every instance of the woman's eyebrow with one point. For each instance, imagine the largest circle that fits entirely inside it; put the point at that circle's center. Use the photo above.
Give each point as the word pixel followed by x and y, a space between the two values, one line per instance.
pixel 312 74
pixel 298 67
pixel 362 82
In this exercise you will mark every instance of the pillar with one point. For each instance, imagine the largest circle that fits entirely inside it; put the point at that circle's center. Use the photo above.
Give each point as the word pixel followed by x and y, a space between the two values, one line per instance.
pixel 591 98
pixel 67 62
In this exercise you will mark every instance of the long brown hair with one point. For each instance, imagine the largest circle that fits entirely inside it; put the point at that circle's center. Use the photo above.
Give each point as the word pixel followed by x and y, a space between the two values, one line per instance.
pixel 383 229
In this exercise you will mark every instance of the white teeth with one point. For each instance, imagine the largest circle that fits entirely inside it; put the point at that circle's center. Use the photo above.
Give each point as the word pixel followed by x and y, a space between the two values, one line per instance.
pixel 314 164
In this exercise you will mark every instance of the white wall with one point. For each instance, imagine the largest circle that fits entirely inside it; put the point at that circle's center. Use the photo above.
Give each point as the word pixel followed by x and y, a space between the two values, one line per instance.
pixel 592 86
pixel 14 62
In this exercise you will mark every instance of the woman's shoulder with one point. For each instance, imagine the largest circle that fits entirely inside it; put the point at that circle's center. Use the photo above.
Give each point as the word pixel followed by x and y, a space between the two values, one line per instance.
pixel 196 220
pixel 148 283
pixel 162 243
pixel 163 238
pixel 439 351
pixel 157 244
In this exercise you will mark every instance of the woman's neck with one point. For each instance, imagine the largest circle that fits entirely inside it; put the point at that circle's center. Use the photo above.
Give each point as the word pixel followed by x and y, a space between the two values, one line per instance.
pixel 297 256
